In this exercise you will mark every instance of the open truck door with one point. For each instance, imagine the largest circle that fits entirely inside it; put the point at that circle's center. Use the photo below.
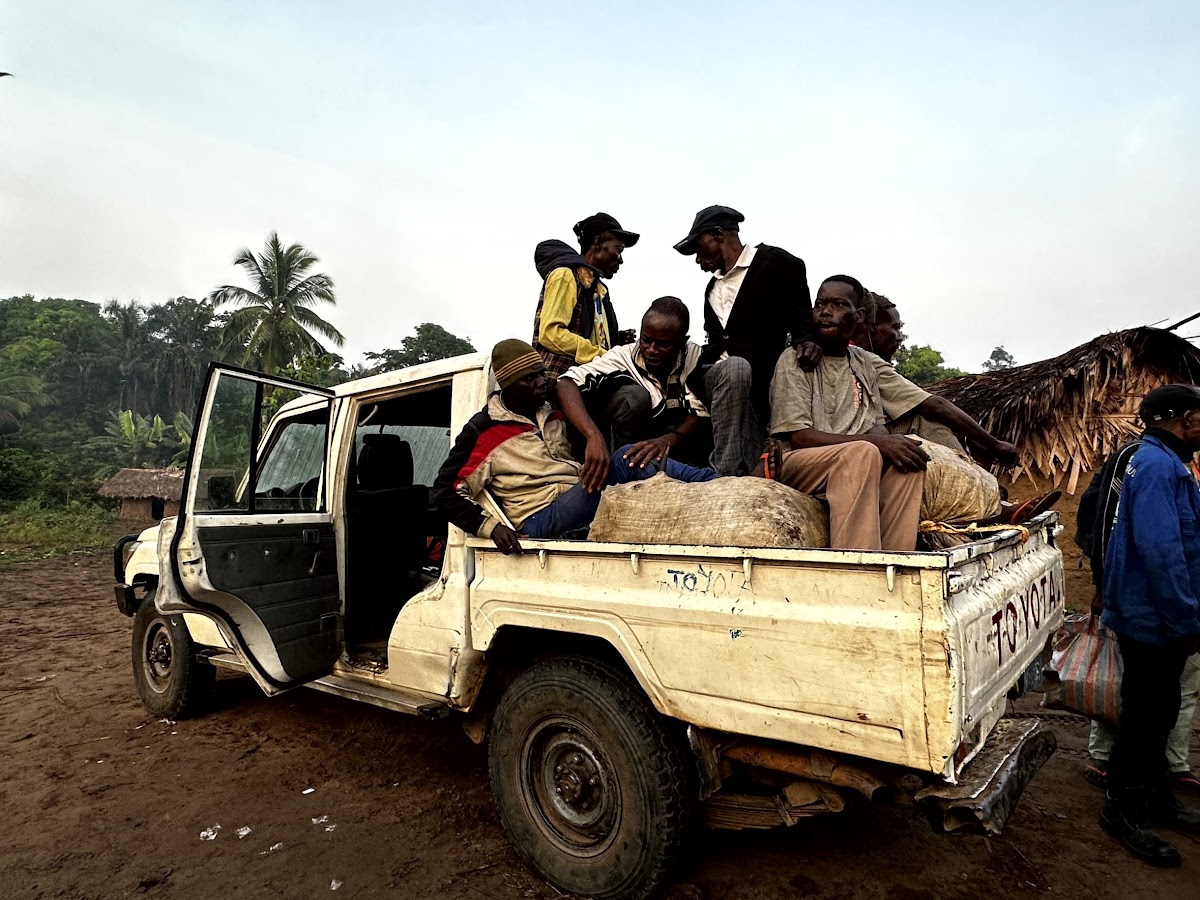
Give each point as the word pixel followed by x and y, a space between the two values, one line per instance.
pixel 254 547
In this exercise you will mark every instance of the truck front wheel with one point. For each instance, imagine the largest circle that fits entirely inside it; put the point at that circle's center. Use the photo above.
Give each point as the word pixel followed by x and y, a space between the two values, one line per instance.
pixel 593 790
pixel 172 682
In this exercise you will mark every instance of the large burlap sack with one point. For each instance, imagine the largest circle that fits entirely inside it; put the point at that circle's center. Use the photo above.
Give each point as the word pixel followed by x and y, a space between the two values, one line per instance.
pixel 745 512
pixel 957 490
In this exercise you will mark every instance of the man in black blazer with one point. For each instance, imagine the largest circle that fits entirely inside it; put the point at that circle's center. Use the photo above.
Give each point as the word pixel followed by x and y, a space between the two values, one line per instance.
pixel 755 304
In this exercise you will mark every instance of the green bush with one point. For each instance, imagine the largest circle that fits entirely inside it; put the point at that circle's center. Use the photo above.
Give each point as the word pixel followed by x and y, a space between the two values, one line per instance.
pixel 31 531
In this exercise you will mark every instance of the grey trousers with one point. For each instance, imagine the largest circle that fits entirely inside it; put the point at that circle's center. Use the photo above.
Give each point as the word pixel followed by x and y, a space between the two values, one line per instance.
pixel 624 415
pixel 738 435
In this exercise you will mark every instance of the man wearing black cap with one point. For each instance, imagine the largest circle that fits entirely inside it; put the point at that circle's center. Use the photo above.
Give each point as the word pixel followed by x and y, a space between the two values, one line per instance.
pixel 1152 603
pixel 575 322
pixel 756 301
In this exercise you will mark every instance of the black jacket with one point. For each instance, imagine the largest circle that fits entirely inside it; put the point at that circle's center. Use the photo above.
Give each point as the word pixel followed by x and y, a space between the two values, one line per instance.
pixel 773 308
pixel 1098 509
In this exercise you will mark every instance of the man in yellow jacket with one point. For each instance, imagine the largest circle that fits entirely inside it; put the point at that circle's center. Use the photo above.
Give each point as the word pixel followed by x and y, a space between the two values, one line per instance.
pixel 575 322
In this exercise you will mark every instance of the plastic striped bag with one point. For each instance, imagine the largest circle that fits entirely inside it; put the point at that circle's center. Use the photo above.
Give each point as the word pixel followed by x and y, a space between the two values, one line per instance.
pixel 1087 661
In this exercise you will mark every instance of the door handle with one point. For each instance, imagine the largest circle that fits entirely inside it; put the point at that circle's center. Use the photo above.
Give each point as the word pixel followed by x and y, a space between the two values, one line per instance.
pixel 312 570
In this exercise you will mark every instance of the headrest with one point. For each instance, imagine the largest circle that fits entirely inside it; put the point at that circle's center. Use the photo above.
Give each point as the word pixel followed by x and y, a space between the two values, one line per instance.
pixel 385 461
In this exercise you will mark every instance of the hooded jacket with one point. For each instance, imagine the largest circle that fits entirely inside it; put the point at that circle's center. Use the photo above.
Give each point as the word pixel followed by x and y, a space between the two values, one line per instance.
pixel 1152 567
pixel 564 326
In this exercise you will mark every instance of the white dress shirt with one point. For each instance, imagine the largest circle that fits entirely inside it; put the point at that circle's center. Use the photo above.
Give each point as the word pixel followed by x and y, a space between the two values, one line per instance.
pixel 727 284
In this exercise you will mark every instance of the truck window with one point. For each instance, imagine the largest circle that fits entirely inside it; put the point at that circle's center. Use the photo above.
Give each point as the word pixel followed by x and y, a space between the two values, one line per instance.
pixel 290 473
pixel 288 467
pixel 430 445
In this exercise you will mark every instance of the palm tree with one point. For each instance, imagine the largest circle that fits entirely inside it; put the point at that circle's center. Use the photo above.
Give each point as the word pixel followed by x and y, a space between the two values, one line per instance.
pixel 275 323
pixel 19 395
pixel 131 349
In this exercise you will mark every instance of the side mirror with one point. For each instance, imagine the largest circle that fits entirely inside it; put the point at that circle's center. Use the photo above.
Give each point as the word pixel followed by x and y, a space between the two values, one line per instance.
pixel 221 489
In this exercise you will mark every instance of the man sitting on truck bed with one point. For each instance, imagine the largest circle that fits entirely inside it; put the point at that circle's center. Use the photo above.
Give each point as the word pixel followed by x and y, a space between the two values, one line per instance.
pixel 517 449
pixel 833 420
pixel 640 393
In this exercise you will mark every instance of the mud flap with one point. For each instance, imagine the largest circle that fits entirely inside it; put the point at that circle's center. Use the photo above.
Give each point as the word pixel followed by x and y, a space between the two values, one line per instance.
pixel 991 784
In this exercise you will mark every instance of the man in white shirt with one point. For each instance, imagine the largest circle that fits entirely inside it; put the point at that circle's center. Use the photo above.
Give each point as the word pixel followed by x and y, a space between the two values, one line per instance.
pixel 640 394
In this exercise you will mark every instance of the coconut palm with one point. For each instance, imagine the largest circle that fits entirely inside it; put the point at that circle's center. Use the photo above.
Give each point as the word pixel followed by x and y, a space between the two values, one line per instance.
pixel 19 395
pixel 132 350
pixel 275 323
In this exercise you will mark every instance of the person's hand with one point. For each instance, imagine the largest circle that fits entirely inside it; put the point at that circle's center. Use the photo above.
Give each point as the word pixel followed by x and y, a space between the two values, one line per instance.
pixel 654 450
pixel 808 355
pixel 505 539
pixel 626 336
pixel 596 463
pixel 1004 453
pixel 901 453
pixel 1097 602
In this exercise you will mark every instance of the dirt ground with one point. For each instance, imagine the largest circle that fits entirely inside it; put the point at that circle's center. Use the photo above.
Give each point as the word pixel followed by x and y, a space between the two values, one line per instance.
pixel 101 800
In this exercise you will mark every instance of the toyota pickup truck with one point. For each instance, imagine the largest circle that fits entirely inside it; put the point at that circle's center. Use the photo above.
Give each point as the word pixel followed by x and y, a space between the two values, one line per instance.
pixel 626 691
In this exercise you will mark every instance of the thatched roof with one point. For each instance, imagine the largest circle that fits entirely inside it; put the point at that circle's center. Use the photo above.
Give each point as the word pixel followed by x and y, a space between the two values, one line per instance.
pixel 1067 414
pixel 138 484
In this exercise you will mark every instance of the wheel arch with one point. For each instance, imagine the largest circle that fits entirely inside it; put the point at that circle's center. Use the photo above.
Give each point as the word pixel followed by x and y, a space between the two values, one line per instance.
pixel 515 648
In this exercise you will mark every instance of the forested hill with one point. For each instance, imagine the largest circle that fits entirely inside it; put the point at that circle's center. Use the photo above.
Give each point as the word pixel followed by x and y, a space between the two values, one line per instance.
pixel 88 388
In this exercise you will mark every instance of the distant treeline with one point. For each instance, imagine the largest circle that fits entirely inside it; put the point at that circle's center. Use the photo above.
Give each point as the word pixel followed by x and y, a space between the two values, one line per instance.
pixel 86 389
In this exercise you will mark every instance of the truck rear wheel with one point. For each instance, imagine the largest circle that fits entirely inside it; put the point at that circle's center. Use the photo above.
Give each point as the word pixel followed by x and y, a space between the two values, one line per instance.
pixel 171 681
pixel 593 790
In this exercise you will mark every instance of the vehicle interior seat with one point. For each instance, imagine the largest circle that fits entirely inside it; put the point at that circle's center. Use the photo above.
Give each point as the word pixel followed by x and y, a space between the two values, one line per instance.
pixel 386 535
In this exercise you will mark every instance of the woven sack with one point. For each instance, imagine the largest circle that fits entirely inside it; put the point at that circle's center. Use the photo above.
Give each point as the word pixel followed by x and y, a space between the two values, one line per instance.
pixel 1087 661
pixel 957 491
pixel 745 512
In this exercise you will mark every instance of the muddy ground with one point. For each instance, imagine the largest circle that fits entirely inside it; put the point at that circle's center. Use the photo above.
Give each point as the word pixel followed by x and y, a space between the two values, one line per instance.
pixel 100 800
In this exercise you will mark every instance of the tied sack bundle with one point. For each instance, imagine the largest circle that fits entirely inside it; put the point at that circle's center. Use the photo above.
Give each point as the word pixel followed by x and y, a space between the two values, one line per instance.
pixel 748 512
pixel 957 492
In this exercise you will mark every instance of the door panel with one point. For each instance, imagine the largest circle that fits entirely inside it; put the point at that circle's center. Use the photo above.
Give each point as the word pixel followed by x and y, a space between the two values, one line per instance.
pixel 288 582
pixel 255 548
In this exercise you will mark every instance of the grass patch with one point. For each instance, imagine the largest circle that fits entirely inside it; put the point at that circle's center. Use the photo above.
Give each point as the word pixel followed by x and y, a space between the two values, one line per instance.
pixel 30 532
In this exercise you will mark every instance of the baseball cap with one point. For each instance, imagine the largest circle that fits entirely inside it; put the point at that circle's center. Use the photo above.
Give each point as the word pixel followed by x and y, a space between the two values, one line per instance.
pixel 587 230
pixel 708 219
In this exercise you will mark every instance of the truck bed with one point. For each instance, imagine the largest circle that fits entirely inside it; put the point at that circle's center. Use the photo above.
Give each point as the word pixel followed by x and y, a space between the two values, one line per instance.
pixel 899 657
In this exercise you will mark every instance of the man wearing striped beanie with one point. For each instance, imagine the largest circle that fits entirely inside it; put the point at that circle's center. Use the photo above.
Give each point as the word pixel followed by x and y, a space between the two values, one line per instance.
pixel 516 448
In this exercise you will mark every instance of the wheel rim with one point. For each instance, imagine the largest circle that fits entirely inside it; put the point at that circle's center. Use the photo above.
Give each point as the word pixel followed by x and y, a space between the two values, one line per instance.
pixel 569 786
pixel 157 655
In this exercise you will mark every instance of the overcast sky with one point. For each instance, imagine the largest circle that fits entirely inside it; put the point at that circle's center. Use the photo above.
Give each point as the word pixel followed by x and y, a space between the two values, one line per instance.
pixel 1023 176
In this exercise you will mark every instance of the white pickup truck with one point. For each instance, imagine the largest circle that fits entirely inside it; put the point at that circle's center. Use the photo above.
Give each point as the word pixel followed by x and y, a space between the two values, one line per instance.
pixel 626 691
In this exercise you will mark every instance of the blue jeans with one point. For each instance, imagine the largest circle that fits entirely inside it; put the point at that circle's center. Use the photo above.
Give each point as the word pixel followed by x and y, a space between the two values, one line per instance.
pixel 576 507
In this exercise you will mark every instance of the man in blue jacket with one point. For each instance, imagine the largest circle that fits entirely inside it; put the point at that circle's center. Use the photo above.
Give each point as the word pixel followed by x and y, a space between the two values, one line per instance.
pixel 1152 602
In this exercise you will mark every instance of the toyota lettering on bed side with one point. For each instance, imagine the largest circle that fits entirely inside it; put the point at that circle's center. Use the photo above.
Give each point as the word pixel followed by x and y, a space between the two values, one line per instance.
pixel 1022 616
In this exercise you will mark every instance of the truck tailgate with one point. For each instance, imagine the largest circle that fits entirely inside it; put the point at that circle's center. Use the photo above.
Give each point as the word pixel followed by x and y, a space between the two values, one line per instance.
pixel 1001 608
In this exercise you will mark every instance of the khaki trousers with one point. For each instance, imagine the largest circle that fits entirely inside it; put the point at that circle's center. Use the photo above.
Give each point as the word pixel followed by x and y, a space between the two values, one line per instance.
pixel 870 508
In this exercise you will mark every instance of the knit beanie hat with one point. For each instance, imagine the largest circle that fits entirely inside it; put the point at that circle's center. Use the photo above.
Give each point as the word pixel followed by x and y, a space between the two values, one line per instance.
pixel 512 360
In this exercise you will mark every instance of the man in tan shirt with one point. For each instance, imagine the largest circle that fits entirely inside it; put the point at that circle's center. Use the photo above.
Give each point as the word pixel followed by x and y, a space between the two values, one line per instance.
pixel 833 419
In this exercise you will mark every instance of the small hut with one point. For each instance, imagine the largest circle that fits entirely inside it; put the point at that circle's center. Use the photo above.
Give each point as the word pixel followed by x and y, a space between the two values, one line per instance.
pixel 1067 414
pixel 146 494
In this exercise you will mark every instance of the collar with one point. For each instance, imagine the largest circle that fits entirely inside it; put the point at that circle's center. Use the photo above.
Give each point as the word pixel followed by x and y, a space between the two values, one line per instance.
pixel 501 413
pixel 743 261
pixel 1171 442
pixel 675 369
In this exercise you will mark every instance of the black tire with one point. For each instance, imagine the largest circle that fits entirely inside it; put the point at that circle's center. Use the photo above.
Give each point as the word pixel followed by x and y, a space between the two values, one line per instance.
pixel 593 789
pixel 171 681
